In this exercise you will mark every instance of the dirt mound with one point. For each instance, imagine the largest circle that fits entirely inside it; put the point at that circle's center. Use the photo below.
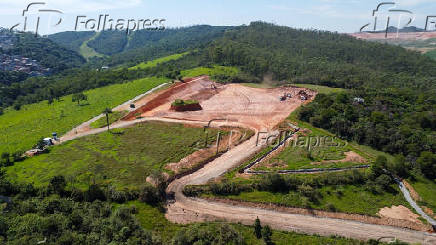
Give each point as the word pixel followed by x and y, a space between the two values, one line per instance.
pixel 350 156
pixel 190 107
pixel 399 212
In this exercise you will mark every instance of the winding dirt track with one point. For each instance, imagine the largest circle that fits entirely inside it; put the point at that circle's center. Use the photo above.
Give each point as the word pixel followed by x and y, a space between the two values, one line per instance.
pixel 188 210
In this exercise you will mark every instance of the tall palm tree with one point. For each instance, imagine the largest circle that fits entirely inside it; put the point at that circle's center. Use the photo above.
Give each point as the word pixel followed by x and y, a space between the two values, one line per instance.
pixel 107 111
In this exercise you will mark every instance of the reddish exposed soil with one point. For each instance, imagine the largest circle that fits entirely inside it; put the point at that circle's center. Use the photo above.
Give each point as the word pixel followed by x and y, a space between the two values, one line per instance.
pixel 257 107
pixel 401 36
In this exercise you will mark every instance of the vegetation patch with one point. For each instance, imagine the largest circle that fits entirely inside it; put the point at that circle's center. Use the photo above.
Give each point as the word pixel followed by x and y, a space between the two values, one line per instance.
pixel 426 189
pixel 320 89
pixel 122 158
pixel 211 71
pixel 315 148
pixel 20 130
pixel 153 63
pixel 359 192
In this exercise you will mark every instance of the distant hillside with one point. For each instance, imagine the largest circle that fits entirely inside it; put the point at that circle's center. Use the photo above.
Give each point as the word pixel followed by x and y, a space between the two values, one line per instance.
pixel 141 45
pixel 393 29
pixel 24 55
pixel 325 58
pixel 71 39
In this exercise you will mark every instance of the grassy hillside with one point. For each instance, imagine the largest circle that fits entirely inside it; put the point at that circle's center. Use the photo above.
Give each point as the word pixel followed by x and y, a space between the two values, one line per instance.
pixel 109 42
pixel 431 54
pixel 155 62
pixel 87 51
pixel 20 130
pixel 211 71
pixel 72 40
pixel 121 159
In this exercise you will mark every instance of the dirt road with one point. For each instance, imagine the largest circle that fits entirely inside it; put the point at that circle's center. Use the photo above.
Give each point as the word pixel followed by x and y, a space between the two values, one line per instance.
pixel 187 210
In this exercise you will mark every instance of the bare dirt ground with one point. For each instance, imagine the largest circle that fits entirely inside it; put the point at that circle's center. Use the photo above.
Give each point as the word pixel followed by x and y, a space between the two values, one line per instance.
pixel 403 36
pixel 350 156
pixel 412 191
pixel 400 213
pixel 255 107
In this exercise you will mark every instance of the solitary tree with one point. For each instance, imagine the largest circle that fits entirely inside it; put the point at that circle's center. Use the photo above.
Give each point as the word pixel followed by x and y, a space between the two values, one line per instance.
pixel 257 228
pixel 107 111
pixel 78 97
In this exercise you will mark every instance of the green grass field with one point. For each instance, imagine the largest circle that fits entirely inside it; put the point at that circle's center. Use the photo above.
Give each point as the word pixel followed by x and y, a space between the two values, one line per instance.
pixel 315 145
pixel 431 54
pixel 344 199
pixel 88 52
pixel 155 62
pixel 122 159
pixel 113 117
pixel 211 71
pixel 427 191
pixel 20 130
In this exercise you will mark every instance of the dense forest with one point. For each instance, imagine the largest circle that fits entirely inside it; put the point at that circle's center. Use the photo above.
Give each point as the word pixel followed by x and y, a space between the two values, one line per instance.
pixel 97 215
pixel 320 57
pixel 145 45
pixel 109 42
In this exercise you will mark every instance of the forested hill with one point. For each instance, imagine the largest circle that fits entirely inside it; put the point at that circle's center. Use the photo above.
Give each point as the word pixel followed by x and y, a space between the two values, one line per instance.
pixel 144 44
pixel 71 39
pixel 140 45
pixel 310 56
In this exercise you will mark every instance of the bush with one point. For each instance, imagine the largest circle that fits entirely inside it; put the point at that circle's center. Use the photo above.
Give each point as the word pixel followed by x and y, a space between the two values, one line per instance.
pixel 94 193
pixel 149 194
pixel 427 164
pixel 273 183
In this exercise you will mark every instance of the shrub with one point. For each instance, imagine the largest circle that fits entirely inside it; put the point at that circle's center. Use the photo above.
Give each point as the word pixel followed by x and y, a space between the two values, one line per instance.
pixel 149 194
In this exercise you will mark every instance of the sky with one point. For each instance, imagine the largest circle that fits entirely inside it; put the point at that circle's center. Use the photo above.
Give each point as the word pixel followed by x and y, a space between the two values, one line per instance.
pixel 333 15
